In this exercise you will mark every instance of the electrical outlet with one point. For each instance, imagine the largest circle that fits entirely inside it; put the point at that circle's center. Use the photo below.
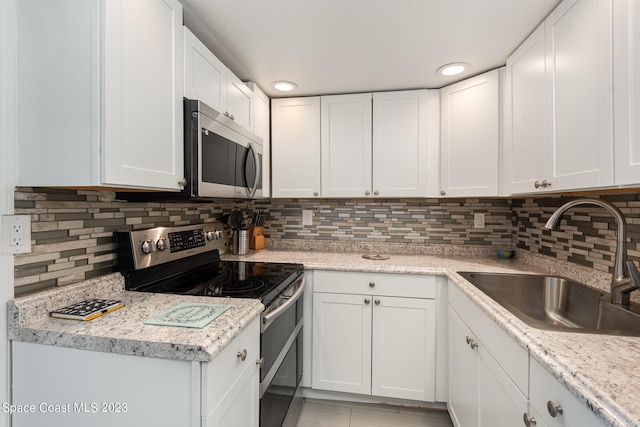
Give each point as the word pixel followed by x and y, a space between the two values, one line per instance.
pixel 478 220
pixel 307 217
pixel 16 234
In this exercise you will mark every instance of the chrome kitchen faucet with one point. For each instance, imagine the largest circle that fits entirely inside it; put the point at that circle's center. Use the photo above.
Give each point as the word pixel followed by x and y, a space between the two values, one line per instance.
pixel 626 277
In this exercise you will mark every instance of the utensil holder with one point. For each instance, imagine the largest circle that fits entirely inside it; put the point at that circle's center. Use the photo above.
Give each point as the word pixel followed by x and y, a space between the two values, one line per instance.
pixel 257 237
pixel 241 240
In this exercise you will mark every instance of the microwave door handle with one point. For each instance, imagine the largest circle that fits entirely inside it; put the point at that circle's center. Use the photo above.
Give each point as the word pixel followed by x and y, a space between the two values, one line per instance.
pixel 251 191
pixel 268 318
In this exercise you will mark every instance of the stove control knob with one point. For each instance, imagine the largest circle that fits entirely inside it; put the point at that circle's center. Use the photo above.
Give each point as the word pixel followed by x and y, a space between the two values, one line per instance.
pixel 147 246
pixel 161 244
pixel 214 235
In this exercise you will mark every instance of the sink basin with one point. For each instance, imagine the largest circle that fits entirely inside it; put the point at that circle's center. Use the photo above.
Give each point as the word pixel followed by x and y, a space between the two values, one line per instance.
pixel 556 303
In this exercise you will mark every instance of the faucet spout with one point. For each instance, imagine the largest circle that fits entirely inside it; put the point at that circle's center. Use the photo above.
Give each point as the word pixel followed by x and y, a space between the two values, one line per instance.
pixel 626 277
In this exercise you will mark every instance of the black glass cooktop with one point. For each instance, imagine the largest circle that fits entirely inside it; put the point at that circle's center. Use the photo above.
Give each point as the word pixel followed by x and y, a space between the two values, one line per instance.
pixel 209 276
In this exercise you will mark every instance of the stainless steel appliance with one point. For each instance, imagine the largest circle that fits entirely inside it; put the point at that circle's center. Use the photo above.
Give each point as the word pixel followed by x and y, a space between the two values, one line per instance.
pixel 186 260
pixel 221 159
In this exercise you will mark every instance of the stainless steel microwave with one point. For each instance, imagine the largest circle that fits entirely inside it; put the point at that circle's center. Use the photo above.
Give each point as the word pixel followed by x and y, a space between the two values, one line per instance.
pixel 222 159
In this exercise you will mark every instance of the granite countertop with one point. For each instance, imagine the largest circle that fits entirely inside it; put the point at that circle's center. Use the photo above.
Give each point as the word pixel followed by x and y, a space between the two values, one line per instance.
pixel 600 370
pixel 123 331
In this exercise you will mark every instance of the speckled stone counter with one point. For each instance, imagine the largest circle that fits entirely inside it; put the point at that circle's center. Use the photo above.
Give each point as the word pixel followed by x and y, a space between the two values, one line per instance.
pixel 600 370
pixel 123 331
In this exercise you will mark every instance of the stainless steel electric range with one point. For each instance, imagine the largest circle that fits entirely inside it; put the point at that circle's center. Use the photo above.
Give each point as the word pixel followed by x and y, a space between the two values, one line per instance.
pixel 186 261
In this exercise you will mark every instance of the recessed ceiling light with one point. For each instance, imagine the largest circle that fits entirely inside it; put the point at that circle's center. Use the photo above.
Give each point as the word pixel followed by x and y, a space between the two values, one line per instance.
pixel 284 86
pixel 452 69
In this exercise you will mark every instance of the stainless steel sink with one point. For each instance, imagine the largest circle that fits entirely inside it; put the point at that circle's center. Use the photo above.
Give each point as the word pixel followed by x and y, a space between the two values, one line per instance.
pixel 557 303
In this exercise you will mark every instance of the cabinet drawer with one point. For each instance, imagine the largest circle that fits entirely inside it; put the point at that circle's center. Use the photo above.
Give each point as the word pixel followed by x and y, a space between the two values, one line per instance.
pixel 545 388
pixel 510 356
pixel 220 374
pixel 382 284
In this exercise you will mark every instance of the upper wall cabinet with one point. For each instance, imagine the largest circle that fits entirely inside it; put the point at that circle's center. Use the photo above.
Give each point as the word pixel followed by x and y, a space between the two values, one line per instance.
pixel 626 65
pixel 100 101
pixel 575 110
pixel 262 128
pixel 207 79
pixel 470 136
pixel 295 147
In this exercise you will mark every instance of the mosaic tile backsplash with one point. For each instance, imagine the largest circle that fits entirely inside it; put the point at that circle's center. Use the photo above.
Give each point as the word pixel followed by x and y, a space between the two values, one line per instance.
pixel 72 231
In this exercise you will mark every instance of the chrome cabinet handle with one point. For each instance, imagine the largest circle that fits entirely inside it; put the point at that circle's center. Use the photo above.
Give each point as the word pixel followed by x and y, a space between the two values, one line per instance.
pixel 554 408
pixel 366 193
pixel 537 184
pixel 443 193
pixel 367 301
pixel 315 193
pixel 182 182
pixel 372 284
pixel 529 421
pixel 242 355
pixel 377 301
pixel 375 193
pixel 546 183
pixel 260 362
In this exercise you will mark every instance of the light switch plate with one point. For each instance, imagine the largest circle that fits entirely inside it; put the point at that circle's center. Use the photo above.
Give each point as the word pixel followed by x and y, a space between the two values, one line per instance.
pixel 16 234
pixel 478 220
pixel 307 217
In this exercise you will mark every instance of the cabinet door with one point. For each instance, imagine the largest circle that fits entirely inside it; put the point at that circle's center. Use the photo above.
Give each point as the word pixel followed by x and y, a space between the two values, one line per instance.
pixel 400 143
pixel 470 139
pixel 626 51
pixel 403 348
pixel 342 343
pixel 143 125
pixel 346 145
pixel 579 120
pixel 295 147
pixel 239 101
pixel 524 160
pixel 240 405
pixel 500 403
pixel 205 76
pixel 463 374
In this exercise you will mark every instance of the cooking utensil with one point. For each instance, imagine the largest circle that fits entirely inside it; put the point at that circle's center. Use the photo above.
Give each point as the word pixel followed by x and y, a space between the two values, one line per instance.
pixel 235 220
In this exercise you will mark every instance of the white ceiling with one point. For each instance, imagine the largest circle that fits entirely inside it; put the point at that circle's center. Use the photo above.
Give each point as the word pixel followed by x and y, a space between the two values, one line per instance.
pixel 345 46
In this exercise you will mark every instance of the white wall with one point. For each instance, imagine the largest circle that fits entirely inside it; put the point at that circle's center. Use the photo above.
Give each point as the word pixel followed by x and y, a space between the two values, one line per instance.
pixel 7 175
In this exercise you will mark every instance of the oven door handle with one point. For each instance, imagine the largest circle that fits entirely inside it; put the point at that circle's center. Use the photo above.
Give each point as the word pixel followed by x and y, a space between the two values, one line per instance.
pixel 268 318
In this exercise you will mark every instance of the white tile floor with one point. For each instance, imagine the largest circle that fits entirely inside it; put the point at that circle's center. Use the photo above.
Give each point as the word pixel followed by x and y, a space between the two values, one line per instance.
pixel 323 413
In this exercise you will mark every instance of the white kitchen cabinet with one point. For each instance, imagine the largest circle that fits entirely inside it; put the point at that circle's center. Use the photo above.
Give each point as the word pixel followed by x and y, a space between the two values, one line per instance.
pixel 548 395
pixel 134 390
pixel 626 66
pixel 405 143
pixel 100 100
pixel 470 136
pixel 488 371
pixel 345 146
pixel 374 334
pixel 262 128
pixel 295 147
pixel 570 101
pixel 524 161
pixel 208 80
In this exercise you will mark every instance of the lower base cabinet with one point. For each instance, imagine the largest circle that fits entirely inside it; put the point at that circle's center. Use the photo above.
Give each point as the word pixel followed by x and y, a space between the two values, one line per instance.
pixel 488 372
pixel 370 338
pixel 71 387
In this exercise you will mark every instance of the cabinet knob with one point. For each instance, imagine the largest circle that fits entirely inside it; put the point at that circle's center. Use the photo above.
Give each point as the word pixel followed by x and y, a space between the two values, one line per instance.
pixel 315 193
pixel 443 193
pixel 472 343
pixel 231 117
pixel 546 183
pixel 554 408
pixel 372 284
pixel 529 421
pixel 367 301
pixel 537 184
pixel 375 193
pixel 260 362
pixel 366 193
pixel 377 301
pixel 242 355
pixel 182 182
